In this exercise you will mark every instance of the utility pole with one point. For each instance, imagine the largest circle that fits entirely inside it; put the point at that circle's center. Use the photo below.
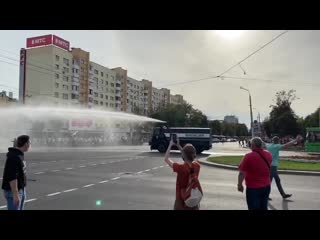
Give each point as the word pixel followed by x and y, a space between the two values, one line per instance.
pixel 250 110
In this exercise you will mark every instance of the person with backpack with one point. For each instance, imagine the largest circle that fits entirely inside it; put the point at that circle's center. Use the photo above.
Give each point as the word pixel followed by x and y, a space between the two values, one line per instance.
pixel 255 170
pixel 188 189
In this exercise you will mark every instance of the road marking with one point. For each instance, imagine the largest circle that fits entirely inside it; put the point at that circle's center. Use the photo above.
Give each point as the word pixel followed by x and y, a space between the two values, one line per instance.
pixel 140 172
pixel 55 170
pixel 82 166
pixel 69 168
pixel 38 172
pixel 155 168
pixel 53 161
pixel 4 206
pixel 70 190
pixel 160 166
pixel 52 194
pixel 112 162
pixel 30 200
pixel 103 163
pixel 115 178
pixel 104 181
pixel 93 164
pixel 89 185
pixel 147 170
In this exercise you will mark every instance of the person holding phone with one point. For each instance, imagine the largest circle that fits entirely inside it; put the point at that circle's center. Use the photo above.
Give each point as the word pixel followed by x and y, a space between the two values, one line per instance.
pixel 188 153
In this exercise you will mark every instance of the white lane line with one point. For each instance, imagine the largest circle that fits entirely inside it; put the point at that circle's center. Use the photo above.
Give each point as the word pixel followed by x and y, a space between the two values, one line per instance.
pixel 70 190
pixel 89 185
pixel 112 162
pixel 115 178
pixel 93 164
pixel 140 172
pixel 52 194
pixel 147 170
pixel 4 206
pixel 104 181
pixel 103 163
pixel 30 200
pixel 69 168
pixel 55 170
pixel 38 172
pixel 155 168
pixel 82 166
pixel 160 166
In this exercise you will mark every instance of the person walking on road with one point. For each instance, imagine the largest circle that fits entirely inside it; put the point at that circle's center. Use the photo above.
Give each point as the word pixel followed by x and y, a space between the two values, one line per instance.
pixel 255 170
pixel 14 175
pixel 183 171
pixel 274 148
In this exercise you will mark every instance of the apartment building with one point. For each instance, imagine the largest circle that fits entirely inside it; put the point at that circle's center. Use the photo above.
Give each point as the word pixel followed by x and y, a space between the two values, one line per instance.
pixel 53 73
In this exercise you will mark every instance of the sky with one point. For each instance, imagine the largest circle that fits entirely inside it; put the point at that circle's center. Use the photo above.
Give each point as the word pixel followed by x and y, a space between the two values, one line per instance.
pixel 170 56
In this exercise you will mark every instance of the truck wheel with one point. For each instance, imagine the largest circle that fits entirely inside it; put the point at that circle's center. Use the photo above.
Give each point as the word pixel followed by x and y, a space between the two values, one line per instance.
pixel 162 148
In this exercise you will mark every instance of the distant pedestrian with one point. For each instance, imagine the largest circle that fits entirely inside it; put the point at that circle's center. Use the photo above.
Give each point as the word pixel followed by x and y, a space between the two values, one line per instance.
pixel 274 148
pixel 14 175
pixel 255 169
pixel 185 171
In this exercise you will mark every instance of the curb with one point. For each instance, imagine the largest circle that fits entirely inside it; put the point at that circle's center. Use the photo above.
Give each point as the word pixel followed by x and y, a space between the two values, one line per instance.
pixel 231 167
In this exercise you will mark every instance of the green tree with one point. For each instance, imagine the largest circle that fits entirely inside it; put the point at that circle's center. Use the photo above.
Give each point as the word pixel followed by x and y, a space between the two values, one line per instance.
pixel 215 127
pixel 282 119
pixel 181 115
pixel 312 120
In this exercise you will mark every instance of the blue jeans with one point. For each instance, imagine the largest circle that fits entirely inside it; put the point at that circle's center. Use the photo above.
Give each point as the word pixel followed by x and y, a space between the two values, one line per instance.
pixel 257 198
pixel 9 197
pixel 274 174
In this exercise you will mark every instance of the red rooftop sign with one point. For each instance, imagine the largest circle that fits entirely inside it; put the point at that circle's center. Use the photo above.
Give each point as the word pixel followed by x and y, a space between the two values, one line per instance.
pixel 48 40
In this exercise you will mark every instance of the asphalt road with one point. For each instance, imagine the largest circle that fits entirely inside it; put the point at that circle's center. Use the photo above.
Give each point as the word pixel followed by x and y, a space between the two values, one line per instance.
pixel 132 177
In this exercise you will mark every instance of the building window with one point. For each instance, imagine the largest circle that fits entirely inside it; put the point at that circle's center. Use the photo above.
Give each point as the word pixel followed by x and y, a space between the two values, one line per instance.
pixel 65 78
pixel 74 96
pixel 90 99
pixel 107 90
pixel 112 98
pixel 95 102
pixel 66 70
pixel 101 103
pixel 90 91
pixel 82 69
pixel 66 61
pixel 57 76
pixel 107 75
pixel 101 88
pixel 101 95
pixel 96 94
pixel 65 96
pixel 57 85
pixel 101 74
pixel 101 81
pixel 65 87
pixel 82 61
pixel 57 58
pixel 56 94
pixel 107 83
pixel 96 71
pixel 112 77
pixel 112 91
pixel 107 104
pixel 107 97
pixel 112 84
pixel 57 66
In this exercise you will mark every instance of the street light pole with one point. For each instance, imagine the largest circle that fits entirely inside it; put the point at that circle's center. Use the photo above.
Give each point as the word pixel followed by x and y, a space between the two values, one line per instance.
pixel 250 110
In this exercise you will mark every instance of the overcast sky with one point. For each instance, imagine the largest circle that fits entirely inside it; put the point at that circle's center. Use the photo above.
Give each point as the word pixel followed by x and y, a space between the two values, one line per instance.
pixel 166 57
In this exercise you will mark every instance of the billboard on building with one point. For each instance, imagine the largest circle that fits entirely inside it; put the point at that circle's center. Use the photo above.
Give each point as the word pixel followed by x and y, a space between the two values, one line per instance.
pixel 61 42
pixel 48 40
pixel 81 124
pixel 39 41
